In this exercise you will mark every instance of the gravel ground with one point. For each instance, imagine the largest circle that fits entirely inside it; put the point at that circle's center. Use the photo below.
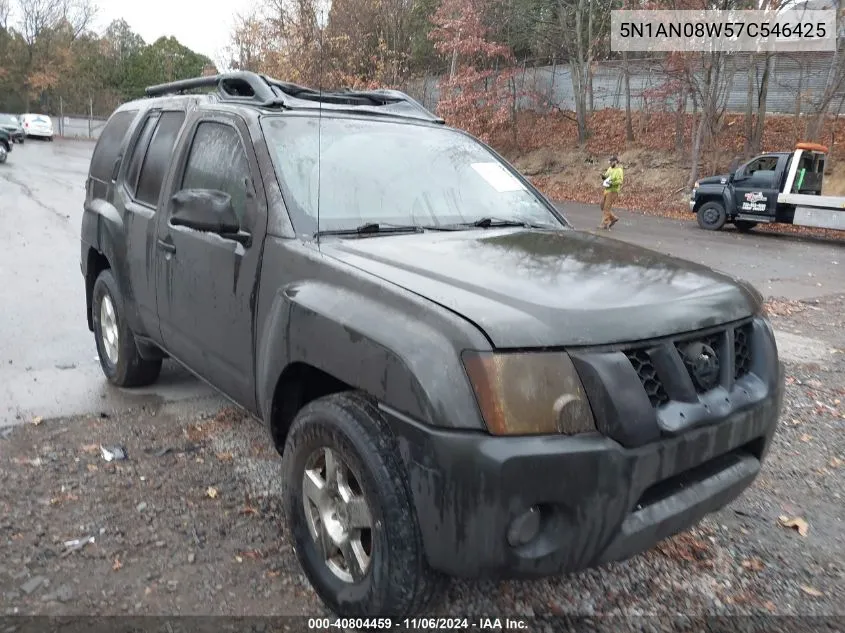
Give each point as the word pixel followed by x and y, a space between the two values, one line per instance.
pixel 190 523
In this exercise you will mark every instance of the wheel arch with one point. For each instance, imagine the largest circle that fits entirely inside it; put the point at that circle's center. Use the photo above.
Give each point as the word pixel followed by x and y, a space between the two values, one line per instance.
pixel 308 348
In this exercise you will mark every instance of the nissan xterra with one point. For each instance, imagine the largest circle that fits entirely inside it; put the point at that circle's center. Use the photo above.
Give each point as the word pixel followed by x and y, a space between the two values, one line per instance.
pixel 459 383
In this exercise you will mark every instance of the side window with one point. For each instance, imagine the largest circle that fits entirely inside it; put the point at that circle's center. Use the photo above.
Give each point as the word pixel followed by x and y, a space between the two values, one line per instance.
pixel 157 159
pixel 139 151
pixel 217 160
pixel 108 145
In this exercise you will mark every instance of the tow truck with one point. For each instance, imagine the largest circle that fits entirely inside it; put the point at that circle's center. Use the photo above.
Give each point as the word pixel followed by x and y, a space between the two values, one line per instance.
pixel 777 187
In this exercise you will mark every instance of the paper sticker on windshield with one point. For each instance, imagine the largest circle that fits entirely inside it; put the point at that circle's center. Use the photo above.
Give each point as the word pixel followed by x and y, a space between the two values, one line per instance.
pixel 498 177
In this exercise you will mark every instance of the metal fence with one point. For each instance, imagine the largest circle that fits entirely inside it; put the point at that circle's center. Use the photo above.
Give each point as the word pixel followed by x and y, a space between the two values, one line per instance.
pixel 797 80
pixel 79 126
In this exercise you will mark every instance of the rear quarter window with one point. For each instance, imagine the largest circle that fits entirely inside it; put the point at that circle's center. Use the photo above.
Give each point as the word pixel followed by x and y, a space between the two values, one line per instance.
pixel 109 143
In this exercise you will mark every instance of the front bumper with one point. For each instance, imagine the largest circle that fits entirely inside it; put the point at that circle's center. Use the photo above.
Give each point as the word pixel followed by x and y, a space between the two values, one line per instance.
pixel 600 500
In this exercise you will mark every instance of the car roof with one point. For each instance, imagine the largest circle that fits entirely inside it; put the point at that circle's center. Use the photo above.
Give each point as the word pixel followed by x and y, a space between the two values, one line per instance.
pixel 263 94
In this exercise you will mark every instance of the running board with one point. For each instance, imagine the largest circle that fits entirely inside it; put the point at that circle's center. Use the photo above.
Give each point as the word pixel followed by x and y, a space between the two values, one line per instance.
pixel 761 219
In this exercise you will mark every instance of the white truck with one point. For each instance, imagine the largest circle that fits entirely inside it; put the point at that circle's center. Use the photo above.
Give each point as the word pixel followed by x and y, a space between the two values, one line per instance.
pixel 780 187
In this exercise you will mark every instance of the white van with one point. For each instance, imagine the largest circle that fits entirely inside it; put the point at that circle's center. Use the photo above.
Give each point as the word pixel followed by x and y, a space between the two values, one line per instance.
pixel 37 125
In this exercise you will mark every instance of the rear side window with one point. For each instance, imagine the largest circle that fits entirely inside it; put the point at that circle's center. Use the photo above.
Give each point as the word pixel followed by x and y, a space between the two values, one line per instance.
pixel 139 151
pixel 108 145
pixel 218 161
pixel 157 159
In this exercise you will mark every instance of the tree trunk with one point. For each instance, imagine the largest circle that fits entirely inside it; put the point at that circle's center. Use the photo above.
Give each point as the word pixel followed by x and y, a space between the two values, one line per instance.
pixel 590 54
pixel 798 96
pixel 705 123
pixel 679 120
pixel 762 96
pixel 751 78
pixel 579 74
pixel 629 124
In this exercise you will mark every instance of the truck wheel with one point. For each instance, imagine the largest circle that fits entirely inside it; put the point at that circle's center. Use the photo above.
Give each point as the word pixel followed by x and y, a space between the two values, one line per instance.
pixel 744 225
pixel 711 216
pixel 119 357
pixel 349 511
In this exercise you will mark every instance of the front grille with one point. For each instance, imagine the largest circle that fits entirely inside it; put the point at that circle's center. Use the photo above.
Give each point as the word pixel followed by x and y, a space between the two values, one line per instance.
pixel 742 350
pixel 704 376
pixel 648 376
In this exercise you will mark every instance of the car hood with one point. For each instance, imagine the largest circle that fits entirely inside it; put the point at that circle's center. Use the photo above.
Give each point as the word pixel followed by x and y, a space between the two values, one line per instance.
pixel 714 180
pixel 535 288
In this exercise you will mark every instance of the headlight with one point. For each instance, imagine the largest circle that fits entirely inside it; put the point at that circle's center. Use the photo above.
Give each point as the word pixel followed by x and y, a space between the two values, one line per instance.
pixel 529 393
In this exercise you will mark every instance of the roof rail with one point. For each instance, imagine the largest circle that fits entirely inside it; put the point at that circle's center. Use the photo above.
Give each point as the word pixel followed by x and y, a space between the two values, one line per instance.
pixel 265 91
pixel 235 85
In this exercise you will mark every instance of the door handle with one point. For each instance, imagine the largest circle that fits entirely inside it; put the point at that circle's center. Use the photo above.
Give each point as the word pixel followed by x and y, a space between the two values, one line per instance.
pixel 167 247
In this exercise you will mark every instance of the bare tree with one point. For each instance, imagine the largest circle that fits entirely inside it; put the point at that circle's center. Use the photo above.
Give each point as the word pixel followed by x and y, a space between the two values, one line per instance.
pixel 629 125
pixel 835 79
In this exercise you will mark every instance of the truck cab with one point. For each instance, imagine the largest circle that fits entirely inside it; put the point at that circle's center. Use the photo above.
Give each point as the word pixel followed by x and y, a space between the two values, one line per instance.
pixel 776 187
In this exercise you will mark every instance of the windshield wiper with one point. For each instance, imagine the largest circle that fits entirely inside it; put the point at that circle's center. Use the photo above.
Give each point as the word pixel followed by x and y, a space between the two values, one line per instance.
pixel 488 222
pixel 371 228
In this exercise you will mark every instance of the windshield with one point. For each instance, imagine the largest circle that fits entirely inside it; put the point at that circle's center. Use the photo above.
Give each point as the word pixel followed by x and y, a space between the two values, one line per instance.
pixel 6 119
pixel 393 173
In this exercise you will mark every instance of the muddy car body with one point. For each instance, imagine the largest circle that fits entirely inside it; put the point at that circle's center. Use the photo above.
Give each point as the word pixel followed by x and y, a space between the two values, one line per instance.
pixel 459 382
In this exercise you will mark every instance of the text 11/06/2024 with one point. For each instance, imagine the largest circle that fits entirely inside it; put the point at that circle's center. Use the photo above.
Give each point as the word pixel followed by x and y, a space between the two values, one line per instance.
pixel 418 624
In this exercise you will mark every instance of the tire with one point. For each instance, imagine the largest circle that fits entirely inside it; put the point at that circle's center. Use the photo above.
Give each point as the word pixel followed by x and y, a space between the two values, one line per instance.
pixel 397 581
pixel 711 216
pixel 121 363
pixel 4 153
pixel 744 226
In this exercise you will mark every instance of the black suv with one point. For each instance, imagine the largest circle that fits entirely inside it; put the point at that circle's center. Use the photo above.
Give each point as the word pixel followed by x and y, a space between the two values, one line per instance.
pixel 458 381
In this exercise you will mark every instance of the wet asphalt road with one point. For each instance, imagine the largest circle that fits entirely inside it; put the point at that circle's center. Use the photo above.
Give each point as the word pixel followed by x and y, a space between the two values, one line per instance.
pixel 48 363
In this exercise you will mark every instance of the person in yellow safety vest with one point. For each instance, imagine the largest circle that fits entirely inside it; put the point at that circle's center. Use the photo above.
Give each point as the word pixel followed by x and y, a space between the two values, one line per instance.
pixel 612 183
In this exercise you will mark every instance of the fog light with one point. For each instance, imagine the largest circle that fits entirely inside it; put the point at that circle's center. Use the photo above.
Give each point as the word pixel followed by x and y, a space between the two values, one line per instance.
pixel 524 528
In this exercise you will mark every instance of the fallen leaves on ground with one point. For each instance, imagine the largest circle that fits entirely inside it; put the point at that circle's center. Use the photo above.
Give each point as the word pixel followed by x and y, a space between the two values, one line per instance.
pixel 117 565
pixel 753 564
pixel 689 548
pixel 211 492
pixel 783 307
pixel 812 591
pixel 795 523
pixel 37 420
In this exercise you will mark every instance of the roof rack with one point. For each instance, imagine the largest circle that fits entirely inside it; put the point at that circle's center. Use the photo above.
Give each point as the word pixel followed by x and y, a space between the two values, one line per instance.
pixel 263 91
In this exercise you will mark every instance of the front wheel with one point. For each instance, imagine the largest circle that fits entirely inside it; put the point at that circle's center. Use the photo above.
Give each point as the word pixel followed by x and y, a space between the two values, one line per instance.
pixel 119 357
pixel 711 216
pixel 4 153
pixel 350 513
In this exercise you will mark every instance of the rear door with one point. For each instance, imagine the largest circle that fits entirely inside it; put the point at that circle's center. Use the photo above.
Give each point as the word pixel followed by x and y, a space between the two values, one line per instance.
pixel 143 174
pixel 756 186
pixel 207 283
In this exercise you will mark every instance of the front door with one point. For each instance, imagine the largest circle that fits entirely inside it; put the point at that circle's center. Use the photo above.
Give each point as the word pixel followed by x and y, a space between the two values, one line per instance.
pixel 206 283
pixel 755 187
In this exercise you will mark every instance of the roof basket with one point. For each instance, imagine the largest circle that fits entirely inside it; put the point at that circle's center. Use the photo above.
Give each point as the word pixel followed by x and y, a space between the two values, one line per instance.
pixel 263 91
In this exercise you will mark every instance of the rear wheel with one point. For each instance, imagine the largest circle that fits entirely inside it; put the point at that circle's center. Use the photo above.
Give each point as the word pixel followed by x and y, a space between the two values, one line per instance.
pixel 349 510
pixel 744 225
pixel 711 216
pixel 119 357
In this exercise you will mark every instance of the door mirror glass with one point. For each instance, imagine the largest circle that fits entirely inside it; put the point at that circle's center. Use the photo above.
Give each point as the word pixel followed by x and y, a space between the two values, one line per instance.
pixel 207 210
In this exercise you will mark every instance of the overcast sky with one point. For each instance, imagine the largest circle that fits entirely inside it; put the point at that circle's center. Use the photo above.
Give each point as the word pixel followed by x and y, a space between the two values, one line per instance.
pixel 201 25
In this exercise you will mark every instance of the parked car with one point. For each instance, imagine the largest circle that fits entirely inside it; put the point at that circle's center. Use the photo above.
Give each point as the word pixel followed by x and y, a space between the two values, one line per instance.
pixel 38 125
pixel 5 145
pixel 13 127
pixel 459 382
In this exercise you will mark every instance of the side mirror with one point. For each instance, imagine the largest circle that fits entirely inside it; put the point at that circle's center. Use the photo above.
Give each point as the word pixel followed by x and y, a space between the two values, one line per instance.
pixel 207 210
